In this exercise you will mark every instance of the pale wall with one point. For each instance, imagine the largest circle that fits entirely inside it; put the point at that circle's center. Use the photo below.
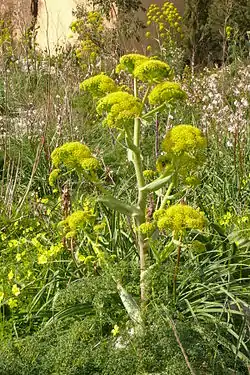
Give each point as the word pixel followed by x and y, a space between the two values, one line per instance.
pixel 55 16
pixel 54 19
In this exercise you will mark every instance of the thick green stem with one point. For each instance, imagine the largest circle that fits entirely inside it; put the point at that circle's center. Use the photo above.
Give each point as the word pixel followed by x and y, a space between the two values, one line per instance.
pixel 142 200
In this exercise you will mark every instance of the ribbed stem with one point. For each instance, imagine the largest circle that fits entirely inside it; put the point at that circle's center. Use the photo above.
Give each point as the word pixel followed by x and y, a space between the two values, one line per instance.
pixel 142 200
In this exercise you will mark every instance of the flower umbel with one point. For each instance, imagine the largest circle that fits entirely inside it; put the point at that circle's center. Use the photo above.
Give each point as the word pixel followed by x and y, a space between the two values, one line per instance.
pixel 129 62
pixel 74 155
pixel 54 176
pixel 179 217
pixel 121 108
pixel 152 71
pixel 183 138
pixel 166 92
pixel 99 85
pixel 78 220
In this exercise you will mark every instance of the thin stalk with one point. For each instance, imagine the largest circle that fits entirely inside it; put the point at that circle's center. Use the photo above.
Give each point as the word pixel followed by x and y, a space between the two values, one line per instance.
pixel 34 169
pixel 176 270
pixel 171 322
pixel 166 196
pixel 156 136
pixel 157 109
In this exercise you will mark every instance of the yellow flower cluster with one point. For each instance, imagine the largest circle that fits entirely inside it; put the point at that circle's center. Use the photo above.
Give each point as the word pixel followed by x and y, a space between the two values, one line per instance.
pixel 179 217
pixel 184 146
pixel 149 175
pixel 165 18
pixel 78 220
pixel 129 62
pixel 147 228
pixel 121 108
pixel 54 176
pixel 99 85
pixel 88 49
pixel 95 18
pixel 166 92
pixel 144 68
pixel 162 163
pixel 152 71
pixel 89 29
pixel 44 254
pixel 183 138
pixel 74 155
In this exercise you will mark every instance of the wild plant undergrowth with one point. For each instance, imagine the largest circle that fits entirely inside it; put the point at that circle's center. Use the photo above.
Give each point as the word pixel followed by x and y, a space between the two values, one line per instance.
pixel 61 312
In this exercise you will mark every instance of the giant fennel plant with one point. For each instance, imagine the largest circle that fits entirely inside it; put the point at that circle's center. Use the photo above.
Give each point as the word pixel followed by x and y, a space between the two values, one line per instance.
pixel 182 150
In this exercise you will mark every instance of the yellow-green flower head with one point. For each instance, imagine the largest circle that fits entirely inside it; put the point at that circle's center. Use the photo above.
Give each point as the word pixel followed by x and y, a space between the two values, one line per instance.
pixel 74 155
pixel 54 176
pixel 183 138
pixel 99 85
pixel 147 228
pixel 166 92
pixel 129 62
pixel 78 219
pixel 152 71
pixel 16 290
pixel 121 108
pixel 179 217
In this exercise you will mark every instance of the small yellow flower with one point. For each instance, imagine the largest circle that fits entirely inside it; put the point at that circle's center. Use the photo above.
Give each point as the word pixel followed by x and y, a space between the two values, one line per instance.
pixel 12 303
pixel 10 275
pixel 115 330
pixel 42 259
pixel 18 257
pixel 15 290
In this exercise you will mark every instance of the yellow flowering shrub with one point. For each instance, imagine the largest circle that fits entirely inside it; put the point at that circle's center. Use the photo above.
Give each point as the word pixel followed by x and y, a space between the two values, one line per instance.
pixel 89 30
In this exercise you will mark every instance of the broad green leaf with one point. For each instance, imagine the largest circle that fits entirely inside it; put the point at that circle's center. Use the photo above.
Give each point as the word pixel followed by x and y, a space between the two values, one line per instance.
pixel 116 204
pixel 157 184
